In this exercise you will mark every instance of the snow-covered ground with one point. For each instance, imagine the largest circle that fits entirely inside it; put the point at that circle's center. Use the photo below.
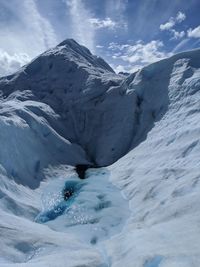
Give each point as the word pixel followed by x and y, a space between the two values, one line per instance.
pixel 161 179
pixel 43 224
pixel 68 107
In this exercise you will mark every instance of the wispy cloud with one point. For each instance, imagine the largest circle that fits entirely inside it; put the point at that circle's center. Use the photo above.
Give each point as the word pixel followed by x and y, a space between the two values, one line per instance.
pixel 140 53
pixel 170 24
pixel 82 29
pixel 99 46
pixel 10 63
pixel 104 23
pixel 38 25
pixel 116 11
pixel 85 24
pixel 194 33
pixel 180 17
pixel 128 68
pixel 177 34
pixel 173 21
pixel 180 45
pixel 25 37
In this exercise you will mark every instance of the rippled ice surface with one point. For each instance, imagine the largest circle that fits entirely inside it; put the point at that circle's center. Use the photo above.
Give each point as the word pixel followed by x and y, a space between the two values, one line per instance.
pixel 96 211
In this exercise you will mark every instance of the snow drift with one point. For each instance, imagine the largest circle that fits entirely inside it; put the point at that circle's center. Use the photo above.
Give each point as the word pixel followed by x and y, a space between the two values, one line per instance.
pixel 68 107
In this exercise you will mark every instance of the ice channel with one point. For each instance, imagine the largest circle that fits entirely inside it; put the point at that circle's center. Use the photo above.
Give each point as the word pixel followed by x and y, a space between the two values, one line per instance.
pixel 94 212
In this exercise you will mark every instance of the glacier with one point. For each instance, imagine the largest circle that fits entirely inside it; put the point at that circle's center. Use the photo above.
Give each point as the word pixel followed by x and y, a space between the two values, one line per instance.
pixel 139 202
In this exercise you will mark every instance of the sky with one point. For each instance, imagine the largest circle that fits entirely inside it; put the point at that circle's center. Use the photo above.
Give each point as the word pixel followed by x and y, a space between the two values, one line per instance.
pixel 128 34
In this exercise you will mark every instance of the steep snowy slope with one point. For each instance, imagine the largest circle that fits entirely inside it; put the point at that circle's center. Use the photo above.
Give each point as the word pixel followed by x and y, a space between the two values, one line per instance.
pixel 86 94
pixel 30 128
pixel 69 107
pixel 161 177
pixel 70 80
pixel 35 103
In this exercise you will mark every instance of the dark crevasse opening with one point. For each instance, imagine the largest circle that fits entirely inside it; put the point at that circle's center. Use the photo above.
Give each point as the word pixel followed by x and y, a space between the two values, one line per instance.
pixel 82 168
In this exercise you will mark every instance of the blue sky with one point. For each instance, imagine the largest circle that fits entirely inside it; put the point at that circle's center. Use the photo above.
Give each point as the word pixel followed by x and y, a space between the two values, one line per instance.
pixel 128 34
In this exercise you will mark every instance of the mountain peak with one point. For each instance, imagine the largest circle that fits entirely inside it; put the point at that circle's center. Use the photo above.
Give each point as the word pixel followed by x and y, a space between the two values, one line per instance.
pixel 72 44
pixel 68 41
pixel 82 53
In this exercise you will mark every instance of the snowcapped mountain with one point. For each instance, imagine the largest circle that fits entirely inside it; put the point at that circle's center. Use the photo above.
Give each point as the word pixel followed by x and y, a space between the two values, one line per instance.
pixel 68 107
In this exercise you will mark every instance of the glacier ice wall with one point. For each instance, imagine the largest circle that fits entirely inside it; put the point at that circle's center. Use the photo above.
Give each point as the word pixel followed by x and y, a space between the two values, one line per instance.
pixel 97 110
pixel 68 107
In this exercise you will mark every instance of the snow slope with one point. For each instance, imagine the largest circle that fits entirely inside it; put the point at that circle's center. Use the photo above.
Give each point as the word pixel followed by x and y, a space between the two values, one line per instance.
pixel 160 177
pixel 88 96
pixel 70 80
pixel 29 140
pixel 69 107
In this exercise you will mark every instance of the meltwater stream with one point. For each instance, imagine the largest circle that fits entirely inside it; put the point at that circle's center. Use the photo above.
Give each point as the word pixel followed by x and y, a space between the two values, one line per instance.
pixel 95 211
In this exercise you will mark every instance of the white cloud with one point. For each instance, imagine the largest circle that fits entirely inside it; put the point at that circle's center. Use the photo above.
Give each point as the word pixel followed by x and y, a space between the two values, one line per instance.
pixel 168 25
pixel 140 52
pixel 130 58
pixel 99 46
pixel 82 29
pixel 194 33
pixel 105 23
pixel 173 21
pixel 180 17
pixel 115 46
pixel 10 63
pixel 115 9
pixel 119 68
pixel 23 35
pixel 177 35
pixel 127 69
pixel 84 25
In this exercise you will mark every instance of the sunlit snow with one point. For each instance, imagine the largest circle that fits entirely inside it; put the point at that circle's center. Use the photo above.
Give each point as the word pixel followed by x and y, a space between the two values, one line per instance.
pixel 138 205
